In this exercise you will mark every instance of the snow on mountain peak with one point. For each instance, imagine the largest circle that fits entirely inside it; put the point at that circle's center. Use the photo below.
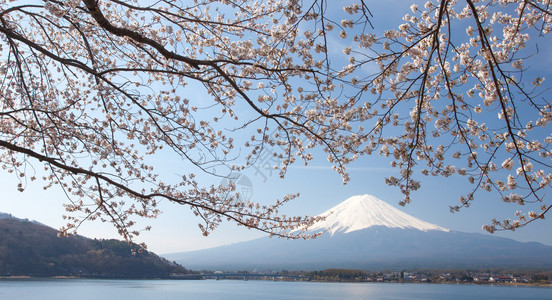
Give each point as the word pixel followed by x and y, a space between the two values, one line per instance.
pixel 360 212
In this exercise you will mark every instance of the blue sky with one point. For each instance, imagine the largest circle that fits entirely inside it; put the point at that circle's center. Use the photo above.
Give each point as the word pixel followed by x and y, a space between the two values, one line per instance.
pixel 320 188
pixel 176 228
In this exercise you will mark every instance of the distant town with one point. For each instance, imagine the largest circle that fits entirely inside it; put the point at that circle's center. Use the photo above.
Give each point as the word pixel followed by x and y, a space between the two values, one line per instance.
pixel 346 275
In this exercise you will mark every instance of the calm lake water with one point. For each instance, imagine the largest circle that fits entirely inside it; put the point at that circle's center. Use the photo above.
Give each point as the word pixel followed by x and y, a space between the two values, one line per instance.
pixel 234 289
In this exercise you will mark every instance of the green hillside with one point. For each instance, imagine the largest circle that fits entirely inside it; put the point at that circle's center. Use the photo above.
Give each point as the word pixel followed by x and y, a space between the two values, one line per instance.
pixel 31 249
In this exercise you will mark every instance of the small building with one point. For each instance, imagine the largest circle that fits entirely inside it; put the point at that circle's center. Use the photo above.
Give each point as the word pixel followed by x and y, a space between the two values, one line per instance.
pixel 500 279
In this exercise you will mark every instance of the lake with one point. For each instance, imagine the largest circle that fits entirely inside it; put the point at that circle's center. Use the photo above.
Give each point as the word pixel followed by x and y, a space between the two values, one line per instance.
pixel 235 289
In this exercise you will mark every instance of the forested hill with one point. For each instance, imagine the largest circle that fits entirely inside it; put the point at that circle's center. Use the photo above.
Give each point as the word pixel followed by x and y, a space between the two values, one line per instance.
pixel 32 249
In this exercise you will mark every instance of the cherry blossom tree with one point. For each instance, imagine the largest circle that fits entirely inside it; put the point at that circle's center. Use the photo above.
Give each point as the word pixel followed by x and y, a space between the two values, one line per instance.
pixel 92 89
pixel 452 80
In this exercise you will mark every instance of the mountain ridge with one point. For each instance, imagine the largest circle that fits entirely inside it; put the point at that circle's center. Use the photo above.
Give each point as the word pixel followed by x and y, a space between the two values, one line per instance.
pixel 30 248
pixel 4 216
pixel 374 244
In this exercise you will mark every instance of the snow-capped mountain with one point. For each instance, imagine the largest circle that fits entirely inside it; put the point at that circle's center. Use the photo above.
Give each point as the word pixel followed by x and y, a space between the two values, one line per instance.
pixel 361 212
pixel 364 232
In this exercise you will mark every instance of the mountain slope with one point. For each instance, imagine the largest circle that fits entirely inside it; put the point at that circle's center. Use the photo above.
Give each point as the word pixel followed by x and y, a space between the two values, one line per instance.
pixel 28 248
pixel 385 239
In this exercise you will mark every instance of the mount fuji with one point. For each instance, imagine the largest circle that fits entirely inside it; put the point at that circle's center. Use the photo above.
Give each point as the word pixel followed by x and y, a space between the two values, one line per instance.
pixel 362 212
pixel 364 232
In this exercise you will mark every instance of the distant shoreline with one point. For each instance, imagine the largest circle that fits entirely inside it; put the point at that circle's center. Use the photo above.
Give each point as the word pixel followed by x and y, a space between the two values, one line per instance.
pixel 547 285
pixel 451 282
